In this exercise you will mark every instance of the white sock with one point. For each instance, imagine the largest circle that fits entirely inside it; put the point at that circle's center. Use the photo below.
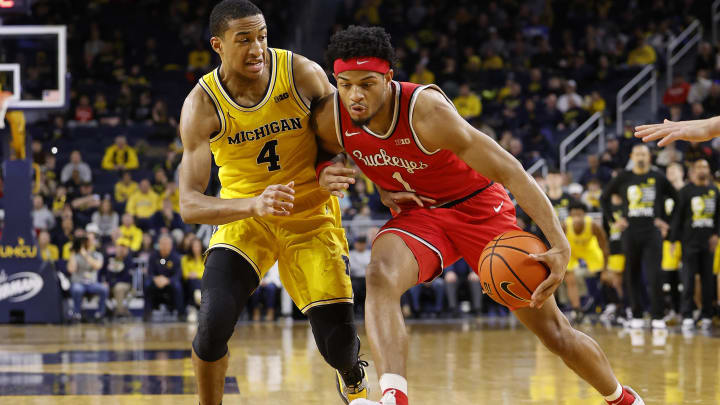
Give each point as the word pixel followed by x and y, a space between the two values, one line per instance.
pixel 393 381
pixel 615 395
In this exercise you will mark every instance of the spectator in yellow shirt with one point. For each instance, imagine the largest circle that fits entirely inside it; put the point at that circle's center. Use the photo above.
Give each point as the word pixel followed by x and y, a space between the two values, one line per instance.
pixel 199 58
pixel 120 156
pixel 125 188
pixel 193 267
pixel 130 233
pixel 172 193
pixel 643 55
pixel 492 60
pixel 595 103
pixel 422 75
pixel 468 103
pixel 47 251
pixel 143 204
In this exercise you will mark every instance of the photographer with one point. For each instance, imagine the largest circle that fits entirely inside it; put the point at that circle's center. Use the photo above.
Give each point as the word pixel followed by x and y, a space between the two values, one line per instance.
pixel 83 266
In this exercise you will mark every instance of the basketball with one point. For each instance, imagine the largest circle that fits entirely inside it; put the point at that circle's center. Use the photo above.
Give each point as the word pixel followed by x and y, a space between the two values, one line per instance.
pixel 507 273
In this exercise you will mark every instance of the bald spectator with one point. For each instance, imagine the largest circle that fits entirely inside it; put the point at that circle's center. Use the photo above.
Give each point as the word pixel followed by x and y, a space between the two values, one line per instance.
pixel 120 156
pixel 164 278
pixel 76 164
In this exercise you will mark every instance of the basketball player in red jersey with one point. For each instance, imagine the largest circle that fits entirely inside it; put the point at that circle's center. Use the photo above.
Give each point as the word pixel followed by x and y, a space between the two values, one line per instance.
pixel 411 142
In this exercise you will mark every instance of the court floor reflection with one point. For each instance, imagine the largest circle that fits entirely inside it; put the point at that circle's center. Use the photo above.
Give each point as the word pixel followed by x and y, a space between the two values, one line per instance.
pixel 464 362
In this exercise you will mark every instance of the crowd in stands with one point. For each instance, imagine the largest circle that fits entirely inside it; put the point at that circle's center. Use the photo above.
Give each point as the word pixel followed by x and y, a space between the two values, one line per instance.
pixel 526 73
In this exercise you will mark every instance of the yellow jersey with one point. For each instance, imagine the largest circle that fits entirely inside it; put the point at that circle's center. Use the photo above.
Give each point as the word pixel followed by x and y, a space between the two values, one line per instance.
pixel 584 240
pixel 268 143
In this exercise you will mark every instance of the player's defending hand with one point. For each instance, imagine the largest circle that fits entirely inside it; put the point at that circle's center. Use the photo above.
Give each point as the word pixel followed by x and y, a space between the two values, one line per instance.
pixel 557 259
pixel 276 200
pixel 392 199
pixel 671 131
pixel 336 178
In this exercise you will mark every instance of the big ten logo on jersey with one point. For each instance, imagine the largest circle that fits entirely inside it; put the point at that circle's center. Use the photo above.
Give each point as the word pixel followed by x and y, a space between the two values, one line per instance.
pixel 281 97
pixel 402 141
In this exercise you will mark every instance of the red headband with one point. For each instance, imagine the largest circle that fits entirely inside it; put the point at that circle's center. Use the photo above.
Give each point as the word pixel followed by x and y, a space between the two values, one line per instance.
pixel 370 64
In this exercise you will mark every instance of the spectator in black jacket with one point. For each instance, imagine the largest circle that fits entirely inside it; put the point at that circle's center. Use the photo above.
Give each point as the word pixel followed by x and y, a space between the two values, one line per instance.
pixel 164 278
pixel 167 219
pixel 697 225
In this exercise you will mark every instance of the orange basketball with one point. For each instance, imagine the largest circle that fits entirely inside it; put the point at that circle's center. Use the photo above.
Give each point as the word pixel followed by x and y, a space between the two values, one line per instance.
pixel 507 274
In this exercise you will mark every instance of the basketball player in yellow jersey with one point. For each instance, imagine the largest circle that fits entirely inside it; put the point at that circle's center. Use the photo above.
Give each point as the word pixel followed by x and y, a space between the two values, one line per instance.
pixel 587 242
pixel 252 115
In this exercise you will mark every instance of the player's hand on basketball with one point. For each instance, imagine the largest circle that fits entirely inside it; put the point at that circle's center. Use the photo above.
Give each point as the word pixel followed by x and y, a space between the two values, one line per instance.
pixel 671 131
pixel 276 200
pixel 557 260
pixel 392 199
pixel 336 178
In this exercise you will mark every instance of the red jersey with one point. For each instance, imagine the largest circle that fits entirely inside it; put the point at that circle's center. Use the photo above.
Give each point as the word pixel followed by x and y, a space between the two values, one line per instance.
pixel 397 160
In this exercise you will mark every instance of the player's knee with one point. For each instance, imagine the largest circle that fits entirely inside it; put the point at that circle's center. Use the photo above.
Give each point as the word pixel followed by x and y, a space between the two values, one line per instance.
pixel 379 276
pixel 335 334
pixel 450 277
pixel 216 322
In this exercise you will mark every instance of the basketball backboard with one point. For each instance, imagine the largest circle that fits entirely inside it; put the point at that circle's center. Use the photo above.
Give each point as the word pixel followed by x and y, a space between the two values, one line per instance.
pixel 33 66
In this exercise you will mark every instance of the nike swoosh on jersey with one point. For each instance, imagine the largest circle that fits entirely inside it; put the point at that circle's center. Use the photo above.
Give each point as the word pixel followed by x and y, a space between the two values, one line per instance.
pixel 497 209
pixel 349 134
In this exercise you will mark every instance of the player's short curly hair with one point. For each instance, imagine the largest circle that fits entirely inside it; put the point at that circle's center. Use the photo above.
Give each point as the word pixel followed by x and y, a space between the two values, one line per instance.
pixel 228 10
pixel 358 42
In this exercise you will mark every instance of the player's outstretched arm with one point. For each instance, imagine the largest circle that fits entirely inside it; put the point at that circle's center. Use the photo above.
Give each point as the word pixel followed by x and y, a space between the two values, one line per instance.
pixel 439 126
pixel 671 131
pixel 198 121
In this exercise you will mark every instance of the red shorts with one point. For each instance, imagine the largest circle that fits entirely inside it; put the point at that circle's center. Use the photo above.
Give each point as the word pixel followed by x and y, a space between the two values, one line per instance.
pixel 438 237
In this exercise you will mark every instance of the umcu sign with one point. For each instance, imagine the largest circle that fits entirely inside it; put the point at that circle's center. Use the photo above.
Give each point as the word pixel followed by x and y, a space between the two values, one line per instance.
pixel 29 290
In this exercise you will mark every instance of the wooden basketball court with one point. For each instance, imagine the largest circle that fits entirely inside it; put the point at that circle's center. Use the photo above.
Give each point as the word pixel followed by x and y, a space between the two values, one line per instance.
pixel 463 362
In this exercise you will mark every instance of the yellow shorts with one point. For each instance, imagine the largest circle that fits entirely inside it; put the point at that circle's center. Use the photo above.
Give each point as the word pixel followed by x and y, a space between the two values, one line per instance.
pixel 593 259
pixel 616 263
pixel 671 262
pixel 310 248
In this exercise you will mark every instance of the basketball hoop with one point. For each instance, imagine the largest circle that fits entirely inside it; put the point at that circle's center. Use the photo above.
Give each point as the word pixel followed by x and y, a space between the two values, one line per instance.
pixel 4 101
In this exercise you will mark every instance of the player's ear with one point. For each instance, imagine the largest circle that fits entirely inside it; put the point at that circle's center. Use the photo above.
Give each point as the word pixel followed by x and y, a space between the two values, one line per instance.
pixel 389 76
pixel 216 45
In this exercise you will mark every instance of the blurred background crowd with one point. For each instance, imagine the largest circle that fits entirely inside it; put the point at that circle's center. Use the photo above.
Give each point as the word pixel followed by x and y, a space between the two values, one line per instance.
pixel 527 73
